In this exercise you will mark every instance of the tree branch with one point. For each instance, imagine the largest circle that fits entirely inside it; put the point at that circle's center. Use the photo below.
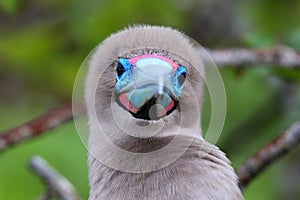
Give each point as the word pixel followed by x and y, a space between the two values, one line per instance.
pixel 58 185
pixel 39 125
pixel 282 57
pixel 271 152
pixel 276 57
pixel 253 166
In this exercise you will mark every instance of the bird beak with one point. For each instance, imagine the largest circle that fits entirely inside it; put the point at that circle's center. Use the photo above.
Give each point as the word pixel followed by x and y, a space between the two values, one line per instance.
pixel 149 94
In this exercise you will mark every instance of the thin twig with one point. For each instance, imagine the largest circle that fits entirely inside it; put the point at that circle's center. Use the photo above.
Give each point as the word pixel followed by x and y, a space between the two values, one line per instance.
pixel 289 139
pixel 57 184
pixel 40 125
pixel 276 57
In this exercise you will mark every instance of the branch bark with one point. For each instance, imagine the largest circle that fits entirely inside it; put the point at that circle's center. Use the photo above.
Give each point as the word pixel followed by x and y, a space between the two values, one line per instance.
pixel 249 170
pixel 271 152
pixel 283 57
pixel 40 125
pixel 58 185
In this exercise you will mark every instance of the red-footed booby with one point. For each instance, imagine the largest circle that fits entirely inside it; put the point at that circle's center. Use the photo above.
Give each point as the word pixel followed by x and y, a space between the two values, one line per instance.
pixel 144 92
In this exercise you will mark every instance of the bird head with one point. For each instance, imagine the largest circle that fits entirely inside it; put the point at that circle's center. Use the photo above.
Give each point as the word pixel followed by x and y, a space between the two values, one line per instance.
pixel 145 74
pixel 143 89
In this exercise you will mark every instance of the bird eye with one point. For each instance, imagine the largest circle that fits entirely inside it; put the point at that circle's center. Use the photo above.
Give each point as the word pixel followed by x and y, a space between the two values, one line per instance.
pixel 122 68
pixel 181 75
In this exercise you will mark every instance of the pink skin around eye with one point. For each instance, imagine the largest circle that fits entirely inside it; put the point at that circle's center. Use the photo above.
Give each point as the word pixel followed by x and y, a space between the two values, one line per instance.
pixel 135 59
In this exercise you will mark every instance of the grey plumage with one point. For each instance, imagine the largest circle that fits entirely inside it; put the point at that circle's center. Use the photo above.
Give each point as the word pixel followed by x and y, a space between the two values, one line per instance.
pixel 201 172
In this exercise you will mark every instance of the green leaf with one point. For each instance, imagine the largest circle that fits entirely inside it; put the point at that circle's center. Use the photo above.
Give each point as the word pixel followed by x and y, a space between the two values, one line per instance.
pixel 10 6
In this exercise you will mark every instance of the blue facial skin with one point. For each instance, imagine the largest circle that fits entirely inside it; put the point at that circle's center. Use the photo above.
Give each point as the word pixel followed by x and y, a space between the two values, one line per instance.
pixel 179 80
pixel 125 73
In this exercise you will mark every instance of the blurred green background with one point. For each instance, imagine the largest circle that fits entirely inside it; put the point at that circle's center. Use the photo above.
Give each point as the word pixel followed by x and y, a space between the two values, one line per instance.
pixel 42 45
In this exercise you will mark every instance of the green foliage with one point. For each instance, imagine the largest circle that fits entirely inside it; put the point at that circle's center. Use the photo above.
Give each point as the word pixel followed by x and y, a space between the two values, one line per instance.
pixel 275 18
pixel 294 39
pixel 9 6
